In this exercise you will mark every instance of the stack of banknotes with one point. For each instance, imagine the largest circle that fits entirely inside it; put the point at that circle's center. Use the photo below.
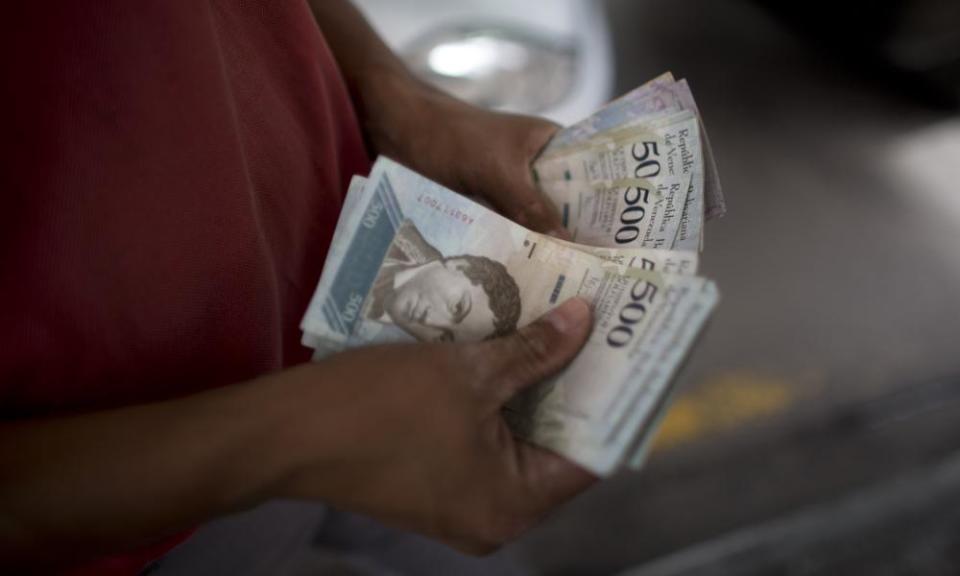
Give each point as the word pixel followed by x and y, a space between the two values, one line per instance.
pixel 412 260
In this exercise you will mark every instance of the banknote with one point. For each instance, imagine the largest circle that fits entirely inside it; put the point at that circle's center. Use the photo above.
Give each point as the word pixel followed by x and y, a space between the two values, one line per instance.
pixel 347 208
pixel 661 96
pixel 670 261
pixel 635 185
pixel 680 262
pixel 413 260
pixel 619 259
pixel 648 138
pixel 644 101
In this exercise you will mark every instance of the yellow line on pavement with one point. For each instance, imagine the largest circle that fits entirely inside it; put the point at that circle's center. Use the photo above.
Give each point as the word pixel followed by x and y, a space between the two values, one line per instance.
pixel 724 402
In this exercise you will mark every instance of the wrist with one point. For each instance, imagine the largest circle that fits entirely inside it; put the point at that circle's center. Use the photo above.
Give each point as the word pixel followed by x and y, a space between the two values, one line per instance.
pixel 403 116
pixel 267 440
pixel 387 101
pixel 307 422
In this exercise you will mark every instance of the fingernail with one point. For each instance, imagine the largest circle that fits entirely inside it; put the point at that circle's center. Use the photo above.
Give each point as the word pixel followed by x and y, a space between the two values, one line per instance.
pixel 569 315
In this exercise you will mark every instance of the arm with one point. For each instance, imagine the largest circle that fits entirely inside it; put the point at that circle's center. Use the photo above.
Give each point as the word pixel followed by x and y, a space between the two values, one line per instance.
pixel 471 150
pixel 118 479
pixel 401 433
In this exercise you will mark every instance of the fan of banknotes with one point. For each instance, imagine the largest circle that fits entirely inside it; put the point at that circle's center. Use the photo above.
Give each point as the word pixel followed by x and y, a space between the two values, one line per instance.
pixel 412 260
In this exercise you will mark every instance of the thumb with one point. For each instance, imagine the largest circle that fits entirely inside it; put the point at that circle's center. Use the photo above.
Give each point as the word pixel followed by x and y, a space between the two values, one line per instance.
pixel 535 352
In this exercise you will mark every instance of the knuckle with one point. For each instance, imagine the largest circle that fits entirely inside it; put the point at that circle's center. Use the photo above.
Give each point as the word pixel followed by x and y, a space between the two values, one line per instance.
pixel 519 214
pixel 467 355
pixel 528 355
pixel 479 531
pixel 490 537
pixel 448 360
pixel 537 136
pixel 536 209
pixel 509 517
pixel 533 343
pixel 478 548
pixel 474 359
pixel 494 366
pixel 492 522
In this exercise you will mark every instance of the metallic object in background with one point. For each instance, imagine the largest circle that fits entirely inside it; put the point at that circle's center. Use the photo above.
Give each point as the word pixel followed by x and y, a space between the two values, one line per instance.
pixel 552 58
pixel 496 66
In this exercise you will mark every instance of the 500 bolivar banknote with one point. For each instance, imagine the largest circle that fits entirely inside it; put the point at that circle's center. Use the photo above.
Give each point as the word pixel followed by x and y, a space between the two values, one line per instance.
pixel 413 260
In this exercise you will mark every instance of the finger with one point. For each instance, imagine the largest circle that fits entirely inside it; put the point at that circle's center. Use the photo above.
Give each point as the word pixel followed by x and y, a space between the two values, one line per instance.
pixel 550 479
pixel 530 206
pixel 509 186
pixel 537 134
pixel 537 351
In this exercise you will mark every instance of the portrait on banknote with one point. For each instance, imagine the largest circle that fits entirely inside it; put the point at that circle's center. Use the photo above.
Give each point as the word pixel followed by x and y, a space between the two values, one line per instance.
pixel 437 297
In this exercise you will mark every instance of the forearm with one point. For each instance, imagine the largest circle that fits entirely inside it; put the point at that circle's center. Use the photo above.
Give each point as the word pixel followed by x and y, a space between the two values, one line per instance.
pixel 363 57
pixel 469 149
pixel 118 479
pixel 394 106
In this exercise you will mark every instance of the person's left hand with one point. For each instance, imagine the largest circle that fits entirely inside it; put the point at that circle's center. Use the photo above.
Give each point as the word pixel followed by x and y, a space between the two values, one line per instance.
pixel 469 149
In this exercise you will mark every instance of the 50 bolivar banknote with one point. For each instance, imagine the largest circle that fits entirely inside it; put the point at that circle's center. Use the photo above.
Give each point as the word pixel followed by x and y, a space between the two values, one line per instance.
pixel 412 260
pixel 638 172
pixel 661 97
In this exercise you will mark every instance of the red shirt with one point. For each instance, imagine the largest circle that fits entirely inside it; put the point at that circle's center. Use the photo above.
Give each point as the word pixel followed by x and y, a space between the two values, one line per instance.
pixel 173 176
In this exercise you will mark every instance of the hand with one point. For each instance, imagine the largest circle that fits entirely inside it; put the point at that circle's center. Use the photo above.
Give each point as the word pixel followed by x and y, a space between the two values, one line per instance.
pixel 469 149
pixel 413 434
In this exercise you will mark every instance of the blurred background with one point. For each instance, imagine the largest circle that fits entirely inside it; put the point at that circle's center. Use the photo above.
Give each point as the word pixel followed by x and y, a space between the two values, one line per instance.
pixel 816 426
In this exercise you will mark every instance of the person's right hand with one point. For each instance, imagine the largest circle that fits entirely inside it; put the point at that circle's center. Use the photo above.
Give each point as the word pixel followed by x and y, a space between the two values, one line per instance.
pixel 413 434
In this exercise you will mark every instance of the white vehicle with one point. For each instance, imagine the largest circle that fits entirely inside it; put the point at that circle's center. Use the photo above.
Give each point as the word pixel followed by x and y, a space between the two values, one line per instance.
pixel 545 57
